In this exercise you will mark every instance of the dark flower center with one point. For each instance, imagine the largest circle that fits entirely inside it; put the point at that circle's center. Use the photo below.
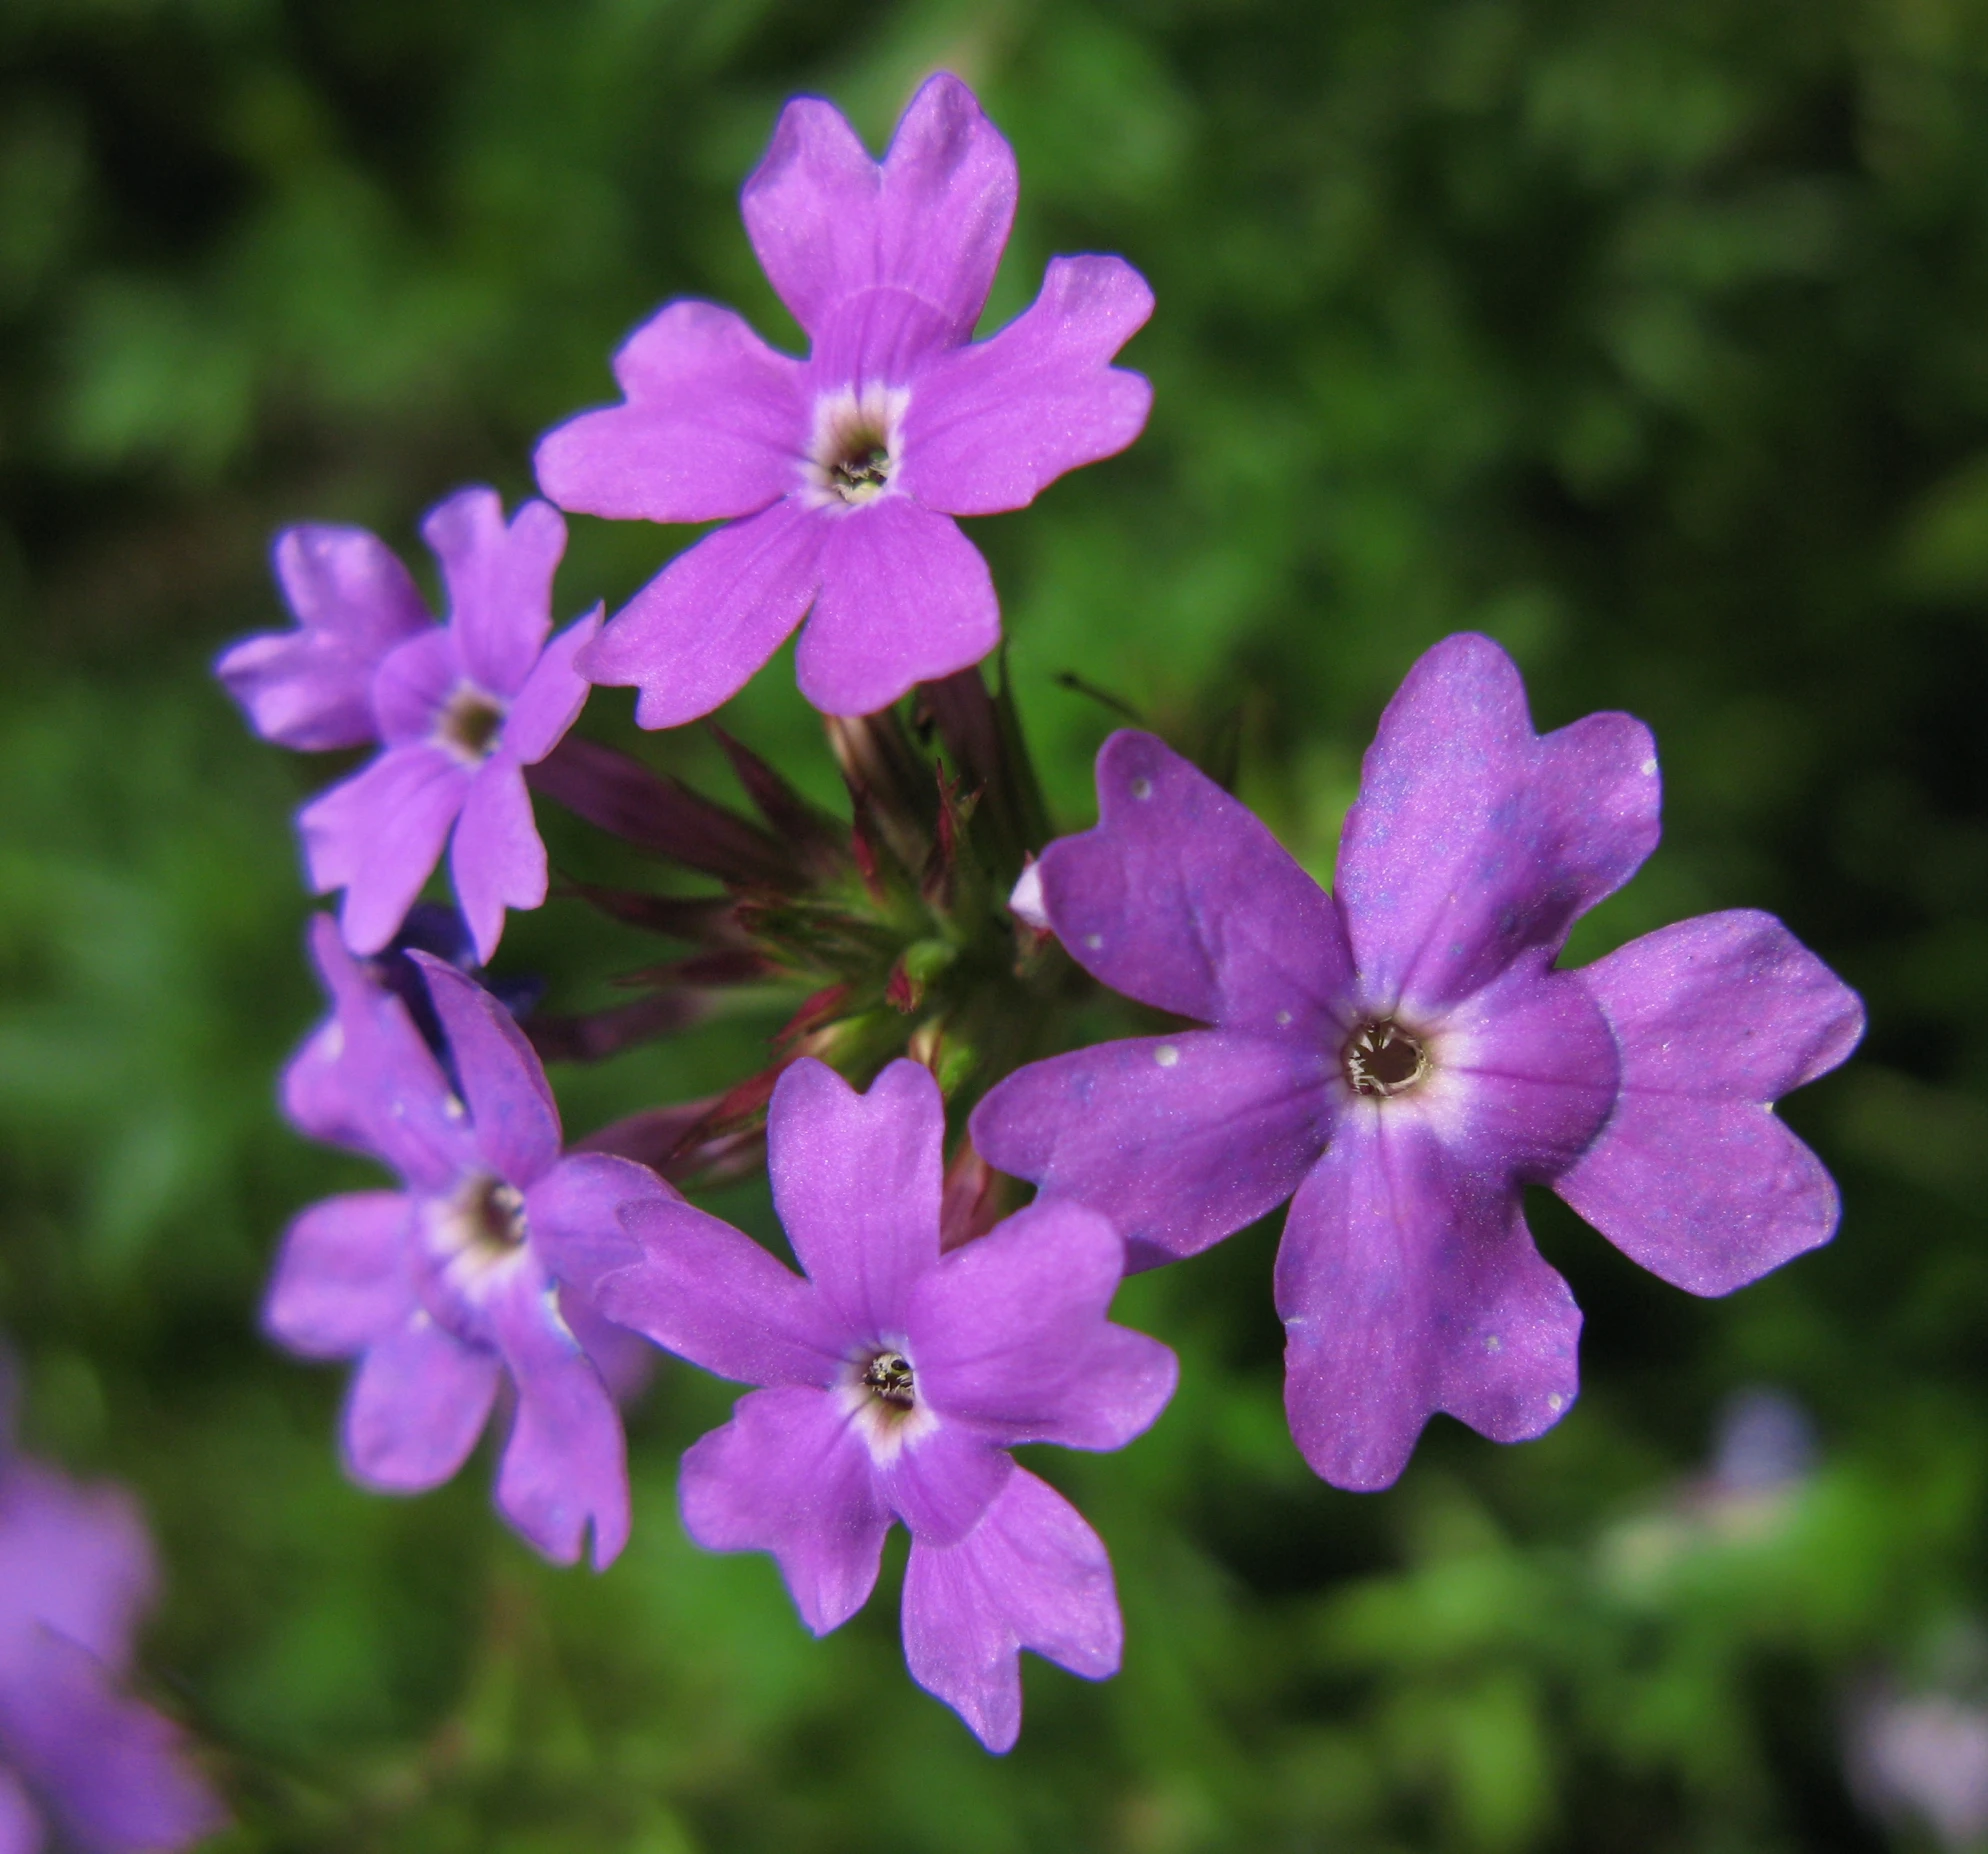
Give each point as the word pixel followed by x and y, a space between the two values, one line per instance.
pixel 470 723
pixel 888 1379
pixel 492 1217
pixel 860 466
pixel 1382 1058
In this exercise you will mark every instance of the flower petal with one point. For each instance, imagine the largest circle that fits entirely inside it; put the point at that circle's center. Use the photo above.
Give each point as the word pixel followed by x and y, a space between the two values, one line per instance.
pixel 379 836
pixel 1179 1140
pixel 942 1482
pixel 354 601
pixel 565 1465
pixel 499 580
pixel 1474 840
pixel 574 1212
pixel 553 695
pixel 1693 1176
pixel 514 1118
pixel 113 1775
pixel 497 859
pixel 75 1557
pixel 709 1293
pixel 626 1361
pixel 417 1404
pixel 856 1183
pixel 826 221
pixel 990 426
pixel 1032 1574
pixel 20 1821
pixel 694 635
pixel 341 1281
pixel 1408 1283
pixel 905 598
pixel 1182 899
pixel 789 1475
pixel 413 686
pixel 1010 1335
pixel 714 426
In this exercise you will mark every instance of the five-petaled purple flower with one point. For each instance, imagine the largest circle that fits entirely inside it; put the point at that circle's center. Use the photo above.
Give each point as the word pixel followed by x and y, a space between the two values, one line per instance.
pixel 1405 1057
pixel 850 465
pixel 80 1762
pixel 461 708
pixel 467 1276
pixel 897 1380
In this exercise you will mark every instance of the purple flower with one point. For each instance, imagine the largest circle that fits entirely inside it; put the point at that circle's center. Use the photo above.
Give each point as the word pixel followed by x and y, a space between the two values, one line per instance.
pixel 849 465
pixel 460 708
pixel 1405 1057
pixel 79 1760
pixel 897 1380
pixel 465 1277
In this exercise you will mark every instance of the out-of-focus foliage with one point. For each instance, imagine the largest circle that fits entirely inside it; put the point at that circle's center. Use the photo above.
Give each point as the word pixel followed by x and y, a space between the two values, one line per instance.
pixel 1652 338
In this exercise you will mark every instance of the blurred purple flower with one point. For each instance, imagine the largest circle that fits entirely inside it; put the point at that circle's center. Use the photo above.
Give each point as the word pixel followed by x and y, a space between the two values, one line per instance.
pixel 79 1760
pixel 1923 1760
pixel 849 466
pixel 897 1381
pixel 461 708
pixel 444 1289
pixel 1406 1057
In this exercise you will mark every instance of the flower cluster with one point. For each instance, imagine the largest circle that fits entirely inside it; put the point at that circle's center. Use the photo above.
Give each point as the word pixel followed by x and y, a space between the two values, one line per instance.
pixel 1398 1058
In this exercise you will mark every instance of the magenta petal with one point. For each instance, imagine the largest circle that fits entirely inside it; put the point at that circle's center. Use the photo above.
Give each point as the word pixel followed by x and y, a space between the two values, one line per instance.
pixel 693 636
pixel 514 1119
pixel 497 859
pixel 1032 1574
pixel 701 1289
pixel 112 1773
pixel 1009 1334
pixel 553 695
pixel 1408 1284
pixel 992 425
pixel 354 601
pixel 826 221
pixel 1182 899
pixel 20 1821
pixel 905 598
pixel 1179 1140
pixel 341 1281
pixel 565 1468
pixel 499 580
pixel 715 425
pixel 1693 1176
pixel 379 836
pixel 417 1404
pixel 789 1475
pixel 856 1181
pixel 574 1213
pixel 1473 840
pixel 315 1093
pixel 414 685
pixel 942 1482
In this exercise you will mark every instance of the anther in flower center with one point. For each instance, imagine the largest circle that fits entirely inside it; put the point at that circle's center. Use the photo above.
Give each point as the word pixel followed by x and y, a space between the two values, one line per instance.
pixel 860 465
pixel 490 1217
pixel 888 1379
pixel 470 723
pixel 1382 1058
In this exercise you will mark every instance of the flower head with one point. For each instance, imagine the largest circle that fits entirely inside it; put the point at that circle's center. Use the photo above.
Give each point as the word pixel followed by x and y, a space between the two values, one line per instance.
pixel 1405 1057
pixel 463 1278
pixel 79 1760
pixel 842 473
pixel 896 1380
pixel 460 708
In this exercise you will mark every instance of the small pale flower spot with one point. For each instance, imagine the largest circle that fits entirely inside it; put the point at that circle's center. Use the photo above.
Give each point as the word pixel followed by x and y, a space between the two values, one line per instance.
pixel 470 724
pixel 1283 1019
pixel 1492 1343
pixel 1166 1055
pixel 1649 769
pixel 1142 788
pixel 1094 941
pixel 1555 1401
pixel 854 453
pixel 490 1217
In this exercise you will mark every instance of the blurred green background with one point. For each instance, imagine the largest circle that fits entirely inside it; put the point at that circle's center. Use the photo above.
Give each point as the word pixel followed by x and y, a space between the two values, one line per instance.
pixel 1651 338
